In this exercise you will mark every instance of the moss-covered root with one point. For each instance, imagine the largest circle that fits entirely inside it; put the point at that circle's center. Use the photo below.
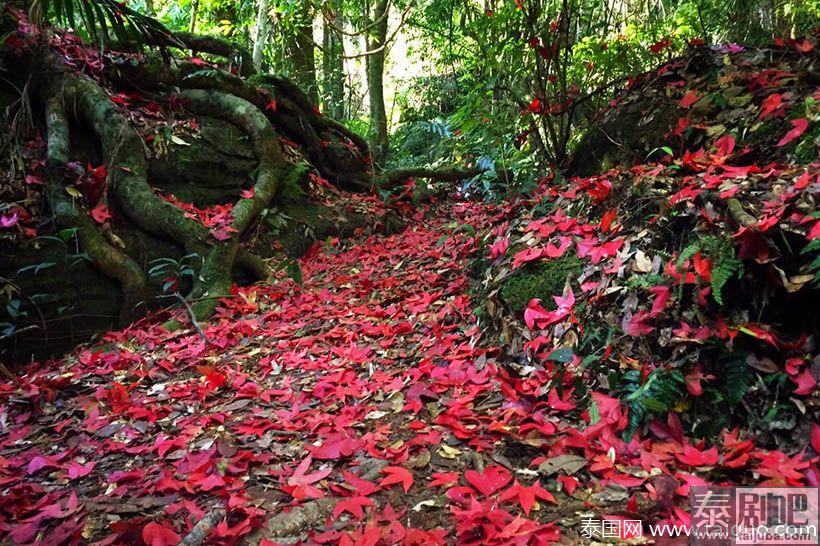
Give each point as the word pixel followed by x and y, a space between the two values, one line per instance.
pixel 216 272
pixel 67 213
pixel 125 156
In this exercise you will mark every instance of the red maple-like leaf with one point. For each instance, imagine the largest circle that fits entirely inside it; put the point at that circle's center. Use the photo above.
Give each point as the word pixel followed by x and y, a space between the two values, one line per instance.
pixel 491 480
pixel 397 474
pixel 526 495
pixel 352 505
pixel 689 99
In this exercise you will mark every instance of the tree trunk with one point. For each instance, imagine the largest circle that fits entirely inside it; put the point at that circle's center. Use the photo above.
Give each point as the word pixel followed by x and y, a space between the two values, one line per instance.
pixel 300 50
pixel 375 83
pixel 194 10
pixel 260 33
pixel 333 75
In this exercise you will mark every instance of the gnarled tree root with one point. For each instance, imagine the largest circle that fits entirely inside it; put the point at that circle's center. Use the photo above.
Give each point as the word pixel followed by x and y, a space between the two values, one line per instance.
pixel 68 213
pixel 124 153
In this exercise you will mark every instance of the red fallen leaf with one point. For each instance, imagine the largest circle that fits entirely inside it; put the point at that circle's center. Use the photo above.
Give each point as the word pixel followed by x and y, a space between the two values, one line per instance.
pixel 526 495
pixel 607 218
pixel 499 248
pixel 248 194
pixel 443 478
pixel 353 505
pixel 662 295
pixel 334 447
pixel 799 127
pixel 222 233
pixel 77 470
pixel 805 382
pixel 155 534
pixel 212 481
pixel 301 484
pixel 271 105
pixel 569 483
pixel 534 312
pixel 815 437
pixel 397 474
pixel 213 377
pixel 693 380
pixel 491 480
pixel 803 46
pixel 689 99
pixel 725 146
pixel 692 456
pixel 362 486
pixel 33 180
pixel 636 324
pixel 100 213
pixel 9 220
pixel 527 255
pixel 98 174
pixel 771 105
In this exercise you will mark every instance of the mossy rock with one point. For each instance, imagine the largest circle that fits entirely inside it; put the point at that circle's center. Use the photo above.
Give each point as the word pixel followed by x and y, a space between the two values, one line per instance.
pixel 541 280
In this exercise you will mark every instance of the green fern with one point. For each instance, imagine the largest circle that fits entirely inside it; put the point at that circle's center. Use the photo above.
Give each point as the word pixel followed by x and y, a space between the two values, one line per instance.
pixel 657 396
pixel 735 378
pixel 814 266
pixel 721 251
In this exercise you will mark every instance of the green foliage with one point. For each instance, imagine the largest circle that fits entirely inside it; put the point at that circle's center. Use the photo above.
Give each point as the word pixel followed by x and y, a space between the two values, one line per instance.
pixel 725 264
pixel 655 397
pixel 813 251
pixel 541 280
pixel 171 271
pixel 101 20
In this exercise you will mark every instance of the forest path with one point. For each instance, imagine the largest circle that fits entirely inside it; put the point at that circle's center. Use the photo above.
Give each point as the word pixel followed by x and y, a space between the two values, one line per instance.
pixel 373 370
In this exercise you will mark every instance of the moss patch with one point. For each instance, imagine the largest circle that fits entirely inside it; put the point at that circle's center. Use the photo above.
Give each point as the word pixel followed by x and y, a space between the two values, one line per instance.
pixel 540 280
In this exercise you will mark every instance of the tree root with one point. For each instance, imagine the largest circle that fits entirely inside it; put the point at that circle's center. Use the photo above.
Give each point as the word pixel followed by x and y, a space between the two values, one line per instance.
pixel 105 257
pixel 287 527
pixel 216 272
pixel 123 151
pixel 203 527
pixel 337 153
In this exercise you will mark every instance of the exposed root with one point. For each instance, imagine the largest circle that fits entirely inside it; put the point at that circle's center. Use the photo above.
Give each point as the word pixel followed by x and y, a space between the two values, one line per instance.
pixel 124 154
pixel 203 527
pixel 216 272
pixel 105 257
pixel 288 527
pixel 337 153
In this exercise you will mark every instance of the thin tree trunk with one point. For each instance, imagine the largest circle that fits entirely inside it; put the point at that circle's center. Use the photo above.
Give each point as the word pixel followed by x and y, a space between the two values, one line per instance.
pixel 260 34
pixel 375 84
pixel 194 10
pixel 333 75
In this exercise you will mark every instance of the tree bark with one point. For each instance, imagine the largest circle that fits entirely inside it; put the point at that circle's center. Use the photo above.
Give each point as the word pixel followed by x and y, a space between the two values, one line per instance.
pixel 375 83
pixel 260 34
pixel 301 52
pixel 194 12
pixel 333 74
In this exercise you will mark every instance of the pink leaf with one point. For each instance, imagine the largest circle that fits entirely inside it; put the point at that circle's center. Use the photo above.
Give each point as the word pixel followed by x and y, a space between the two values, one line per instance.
pixel 799 127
